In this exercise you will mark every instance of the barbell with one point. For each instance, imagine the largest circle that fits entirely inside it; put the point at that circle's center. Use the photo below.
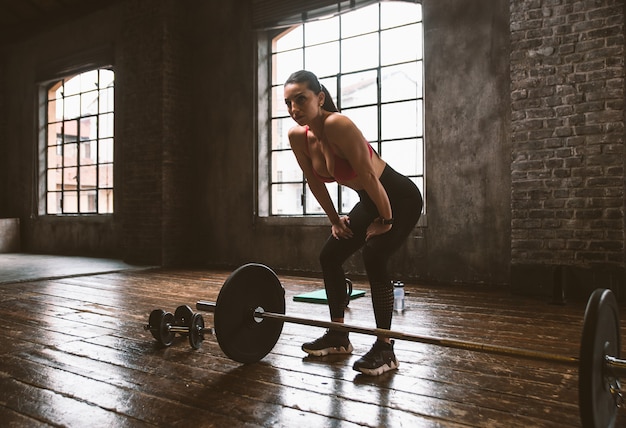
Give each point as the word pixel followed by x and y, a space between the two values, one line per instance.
pixel 250 312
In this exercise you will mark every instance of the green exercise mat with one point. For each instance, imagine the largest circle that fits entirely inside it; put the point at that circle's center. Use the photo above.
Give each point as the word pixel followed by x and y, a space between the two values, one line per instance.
pixel 319 296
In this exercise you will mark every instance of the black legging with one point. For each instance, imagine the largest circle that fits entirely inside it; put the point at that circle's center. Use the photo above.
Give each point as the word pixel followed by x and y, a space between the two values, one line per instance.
pixel 406 206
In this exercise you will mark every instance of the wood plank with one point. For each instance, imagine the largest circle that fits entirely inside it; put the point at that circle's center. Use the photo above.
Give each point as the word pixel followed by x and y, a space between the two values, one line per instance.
pixel 75 348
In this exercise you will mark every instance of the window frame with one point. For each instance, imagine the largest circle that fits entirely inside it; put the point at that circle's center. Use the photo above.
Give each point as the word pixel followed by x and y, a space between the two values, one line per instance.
pixel 263 103
pixel 44 145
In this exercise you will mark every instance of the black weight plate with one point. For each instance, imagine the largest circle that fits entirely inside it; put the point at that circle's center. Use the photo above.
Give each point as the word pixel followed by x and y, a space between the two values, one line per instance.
pixel 240 336
pixel 196 335
pixel 182 317
pixel 154 323
pixel 166 337
pixel 600 337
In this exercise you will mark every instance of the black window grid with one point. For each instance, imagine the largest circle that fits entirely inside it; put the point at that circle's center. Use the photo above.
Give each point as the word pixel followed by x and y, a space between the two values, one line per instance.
pixel 377 144
pixel 63 142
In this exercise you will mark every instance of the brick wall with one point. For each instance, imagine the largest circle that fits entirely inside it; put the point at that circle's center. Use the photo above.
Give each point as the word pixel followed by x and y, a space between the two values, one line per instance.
pixel 567 99
pixel 139 134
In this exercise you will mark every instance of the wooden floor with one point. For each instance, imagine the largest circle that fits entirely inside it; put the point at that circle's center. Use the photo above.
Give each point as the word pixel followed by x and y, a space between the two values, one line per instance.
pixel 74 353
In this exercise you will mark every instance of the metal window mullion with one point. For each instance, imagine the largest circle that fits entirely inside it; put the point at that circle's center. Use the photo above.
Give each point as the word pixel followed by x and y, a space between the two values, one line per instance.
pixel 303 198
pixel 63 149
pixel 379 84
pixel 97 140
pixel 338 91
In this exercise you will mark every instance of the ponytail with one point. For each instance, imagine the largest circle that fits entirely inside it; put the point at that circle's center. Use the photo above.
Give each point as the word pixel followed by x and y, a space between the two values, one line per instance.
pixel 328 105
pixel 304 76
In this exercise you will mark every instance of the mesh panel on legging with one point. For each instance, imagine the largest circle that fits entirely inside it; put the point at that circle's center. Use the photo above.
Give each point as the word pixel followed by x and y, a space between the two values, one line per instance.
pixel 382 300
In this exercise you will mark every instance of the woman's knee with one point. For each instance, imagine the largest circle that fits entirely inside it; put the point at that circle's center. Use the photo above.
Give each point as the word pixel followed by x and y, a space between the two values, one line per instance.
pixel 375 257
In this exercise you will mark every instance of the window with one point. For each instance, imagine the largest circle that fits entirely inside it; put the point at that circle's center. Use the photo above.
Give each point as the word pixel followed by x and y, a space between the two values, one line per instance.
pixel 79 144
pixel 371 61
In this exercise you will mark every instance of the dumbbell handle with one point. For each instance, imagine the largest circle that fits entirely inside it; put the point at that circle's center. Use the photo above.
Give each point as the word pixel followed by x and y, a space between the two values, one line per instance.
pixel 185 329
pixel 182 329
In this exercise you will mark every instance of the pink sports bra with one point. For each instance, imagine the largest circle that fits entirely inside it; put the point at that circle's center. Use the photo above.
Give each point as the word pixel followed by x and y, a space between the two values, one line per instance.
pixel 343 169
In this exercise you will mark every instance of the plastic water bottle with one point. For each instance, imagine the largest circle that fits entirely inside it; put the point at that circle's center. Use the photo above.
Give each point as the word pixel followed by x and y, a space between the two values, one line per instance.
pixel 398 296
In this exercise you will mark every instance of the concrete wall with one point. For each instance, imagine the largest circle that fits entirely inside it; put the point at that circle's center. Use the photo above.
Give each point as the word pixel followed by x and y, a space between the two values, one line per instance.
pixel 185 143
pixel 10 235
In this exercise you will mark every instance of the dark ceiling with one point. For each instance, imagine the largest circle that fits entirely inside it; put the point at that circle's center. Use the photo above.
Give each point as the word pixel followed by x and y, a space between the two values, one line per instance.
pixel 21 18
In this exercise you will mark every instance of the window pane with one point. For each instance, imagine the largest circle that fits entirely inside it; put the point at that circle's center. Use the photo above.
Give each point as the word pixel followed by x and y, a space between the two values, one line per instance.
pixel 71 107
pixel 359 89
pixel 321 31
pixel 54 160
pixel 105 150
pixel 107 77
pixel 71 87
pixel 105 125
pixel 54 179
pixel 55 132
pixel 399 13
pixel 88 81
pixel 88 201
pixel 359 53
pixel 290 39
pixel 323 60
pixel 405 156
pixel 401 120
pixel 286 63
pixel 401 82
pixel 401 44
pixel 105 175
pixel 312 207
pixel 70 154
pixel 54 203
pixel 280 129
pixel 105 201
pixel 88 128
pixel 53 111
pixel 70 202
pixel 366 119
pixel 349 198
pixel 360 21
pixel 279 108
pixel 89 103
pixel 88 177
pixel 88 153
pixel 70 178
pixel 106 100
pixel 287 199
pixel 285 167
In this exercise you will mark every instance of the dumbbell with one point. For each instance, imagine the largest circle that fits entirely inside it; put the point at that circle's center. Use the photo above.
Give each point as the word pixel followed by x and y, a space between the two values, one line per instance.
pixel 164 325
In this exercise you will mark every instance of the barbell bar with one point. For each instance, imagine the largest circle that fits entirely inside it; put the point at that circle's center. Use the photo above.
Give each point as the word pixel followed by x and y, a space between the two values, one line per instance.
pixel 259 314
pixel 250 312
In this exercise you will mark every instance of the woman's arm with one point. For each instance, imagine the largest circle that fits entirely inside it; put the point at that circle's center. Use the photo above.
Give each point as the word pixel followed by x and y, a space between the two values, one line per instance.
pixel 298 141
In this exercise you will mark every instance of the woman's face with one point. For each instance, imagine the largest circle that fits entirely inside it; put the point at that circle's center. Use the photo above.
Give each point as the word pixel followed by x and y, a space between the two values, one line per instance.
pixel 302 103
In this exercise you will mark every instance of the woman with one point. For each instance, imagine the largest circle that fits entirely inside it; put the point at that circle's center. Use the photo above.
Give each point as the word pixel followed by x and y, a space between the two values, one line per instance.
pixel 329 147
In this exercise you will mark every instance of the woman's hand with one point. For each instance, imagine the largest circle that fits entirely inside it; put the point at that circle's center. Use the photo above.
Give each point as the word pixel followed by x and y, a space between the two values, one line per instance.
pixel 341 229
pixel 376 228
